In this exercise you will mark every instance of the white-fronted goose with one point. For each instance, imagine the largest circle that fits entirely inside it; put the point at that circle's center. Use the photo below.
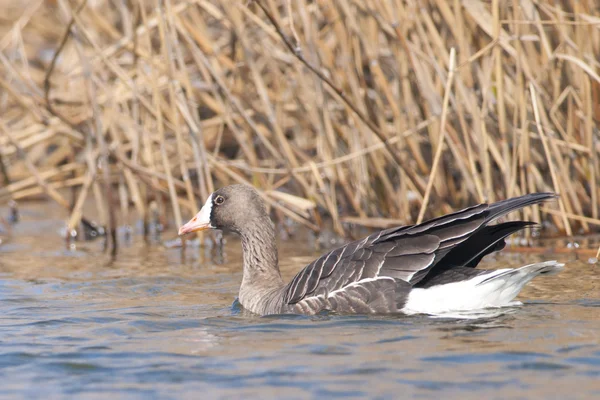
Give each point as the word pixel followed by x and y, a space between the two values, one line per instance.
pixel 426 268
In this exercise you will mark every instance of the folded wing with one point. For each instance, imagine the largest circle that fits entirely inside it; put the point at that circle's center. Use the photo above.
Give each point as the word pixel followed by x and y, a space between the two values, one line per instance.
pixel 412 254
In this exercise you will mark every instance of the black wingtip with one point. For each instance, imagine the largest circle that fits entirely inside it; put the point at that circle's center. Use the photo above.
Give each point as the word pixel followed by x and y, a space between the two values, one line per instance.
pixel 539 196
pixel 551 195
pixel 530 224
pixel 503 207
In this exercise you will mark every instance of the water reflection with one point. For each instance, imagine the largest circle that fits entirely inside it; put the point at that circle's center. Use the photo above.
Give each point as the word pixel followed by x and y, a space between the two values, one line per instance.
pixel 156 322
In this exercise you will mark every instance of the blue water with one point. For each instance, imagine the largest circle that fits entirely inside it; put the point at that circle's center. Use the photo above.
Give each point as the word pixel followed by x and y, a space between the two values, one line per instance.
pixel 159 323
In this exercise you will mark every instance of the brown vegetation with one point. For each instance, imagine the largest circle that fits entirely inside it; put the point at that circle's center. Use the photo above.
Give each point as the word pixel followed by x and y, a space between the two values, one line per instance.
pixel 375 112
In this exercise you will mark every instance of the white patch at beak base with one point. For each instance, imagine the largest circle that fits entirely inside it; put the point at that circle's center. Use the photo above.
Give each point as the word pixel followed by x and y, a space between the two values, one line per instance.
pixel 204 214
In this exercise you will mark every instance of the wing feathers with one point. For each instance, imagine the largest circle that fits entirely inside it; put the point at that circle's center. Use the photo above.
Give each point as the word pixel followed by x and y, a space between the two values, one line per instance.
pixel 405 267
pixel 329 264
pixel 460 230
pixel 411 253
pixel 449 218
pixel 414 245
pixel 489 239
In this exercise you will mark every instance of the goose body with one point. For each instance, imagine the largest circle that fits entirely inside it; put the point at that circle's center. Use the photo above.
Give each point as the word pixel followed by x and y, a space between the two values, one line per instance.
pixel 427 268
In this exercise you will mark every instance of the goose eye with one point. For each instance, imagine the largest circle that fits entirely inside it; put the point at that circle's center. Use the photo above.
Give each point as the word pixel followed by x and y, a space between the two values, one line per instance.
pixel 219 200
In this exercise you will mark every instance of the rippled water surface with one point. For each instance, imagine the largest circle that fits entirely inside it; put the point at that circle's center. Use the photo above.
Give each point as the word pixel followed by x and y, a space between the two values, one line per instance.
pixel 156 323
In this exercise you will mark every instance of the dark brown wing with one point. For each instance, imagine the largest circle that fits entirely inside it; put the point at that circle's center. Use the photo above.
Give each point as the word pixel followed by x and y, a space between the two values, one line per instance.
pixel 408 253
pixel 360 260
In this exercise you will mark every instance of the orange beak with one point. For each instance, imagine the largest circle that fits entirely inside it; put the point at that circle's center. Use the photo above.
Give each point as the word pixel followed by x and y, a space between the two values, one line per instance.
pixel 201 221
pixel 193 225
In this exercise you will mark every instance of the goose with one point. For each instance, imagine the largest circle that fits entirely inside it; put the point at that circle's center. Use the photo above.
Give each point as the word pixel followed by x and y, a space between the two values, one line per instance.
pixel 427 268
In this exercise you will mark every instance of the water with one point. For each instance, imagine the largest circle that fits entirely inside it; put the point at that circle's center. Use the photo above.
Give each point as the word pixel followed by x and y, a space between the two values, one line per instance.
pixel 156 323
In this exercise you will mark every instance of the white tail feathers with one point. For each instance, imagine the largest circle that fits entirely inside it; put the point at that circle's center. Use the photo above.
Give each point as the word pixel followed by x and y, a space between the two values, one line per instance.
pixel 498 288
pixel 525 274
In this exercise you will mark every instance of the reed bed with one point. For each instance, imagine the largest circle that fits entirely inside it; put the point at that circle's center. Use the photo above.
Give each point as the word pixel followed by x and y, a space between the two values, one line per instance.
pixel 340 112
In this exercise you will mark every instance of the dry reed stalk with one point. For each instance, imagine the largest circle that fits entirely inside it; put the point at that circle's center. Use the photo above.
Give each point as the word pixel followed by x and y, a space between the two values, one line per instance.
pixel 329 83
pixel 442 135
pixel 39 193
pixel 98 129
pixel 343 103
pixel 166 29
pixel 555 181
